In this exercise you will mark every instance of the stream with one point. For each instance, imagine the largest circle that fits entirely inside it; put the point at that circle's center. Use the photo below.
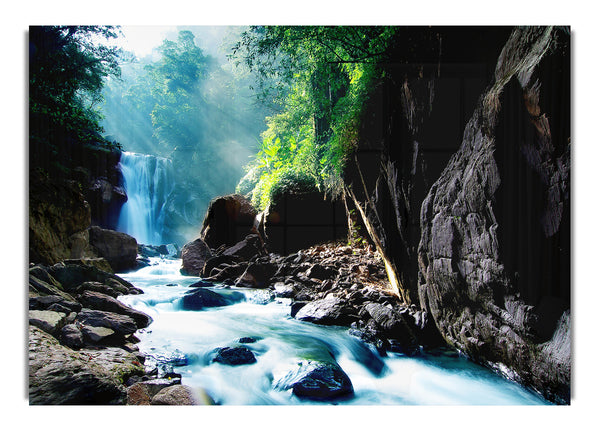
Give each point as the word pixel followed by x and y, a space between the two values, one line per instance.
pixel 185 342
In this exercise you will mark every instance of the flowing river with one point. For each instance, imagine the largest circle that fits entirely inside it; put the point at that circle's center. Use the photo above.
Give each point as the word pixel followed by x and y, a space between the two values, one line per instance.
pixel 184 342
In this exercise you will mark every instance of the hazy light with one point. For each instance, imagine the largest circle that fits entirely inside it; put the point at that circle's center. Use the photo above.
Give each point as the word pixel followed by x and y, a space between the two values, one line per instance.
pixel 142 39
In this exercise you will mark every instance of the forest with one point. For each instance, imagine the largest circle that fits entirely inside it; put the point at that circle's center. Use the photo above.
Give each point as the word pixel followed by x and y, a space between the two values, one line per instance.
pixel 358 207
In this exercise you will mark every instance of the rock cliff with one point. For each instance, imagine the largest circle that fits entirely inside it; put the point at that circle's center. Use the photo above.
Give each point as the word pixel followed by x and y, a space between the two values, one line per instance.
pixel 494 249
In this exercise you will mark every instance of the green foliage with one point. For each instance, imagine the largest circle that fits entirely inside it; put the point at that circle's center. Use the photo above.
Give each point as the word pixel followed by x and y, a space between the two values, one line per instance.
pixel 323 77
pixel 67 69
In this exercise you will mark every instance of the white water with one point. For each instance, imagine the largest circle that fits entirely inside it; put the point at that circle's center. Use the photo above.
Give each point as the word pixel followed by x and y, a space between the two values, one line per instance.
pixel 192 336
pixel 148 182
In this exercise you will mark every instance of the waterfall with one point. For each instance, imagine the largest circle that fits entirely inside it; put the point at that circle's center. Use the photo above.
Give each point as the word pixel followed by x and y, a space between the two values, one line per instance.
pixel 148 182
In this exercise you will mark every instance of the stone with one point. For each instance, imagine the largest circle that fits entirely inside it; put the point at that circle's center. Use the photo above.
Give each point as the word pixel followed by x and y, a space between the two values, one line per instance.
pixel 60 375
pixel 100 301
pixel 320 381
pixel 200 298
pixel 181 395
pixel 247 248
pixel 72 275
pixel 228 220
pixel 234 356
pixel 46 301
pixel 321 272
pixel 48 321
pixel 257 275
pixel 283 290
pixel 118 248
pixel 96 334
pixel 327 311
pixel 71 336
pixel 194 255
pixel 121 324
pixel 495 226
pixel 42 288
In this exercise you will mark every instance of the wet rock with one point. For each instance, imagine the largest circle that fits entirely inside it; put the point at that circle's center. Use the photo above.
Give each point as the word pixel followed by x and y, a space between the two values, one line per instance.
pixel 217 261
pixel 200 298
pixel 327 311
pixel 194 255
pixel 48 321
pixel 234 356
pixel 283 290
pixel 321 381
pixel 42 288
pixel 100 301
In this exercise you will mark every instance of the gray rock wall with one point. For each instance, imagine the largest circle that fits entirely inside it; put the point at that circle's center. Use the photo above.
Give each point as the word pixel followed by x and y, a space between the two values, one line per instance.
pixel 492 273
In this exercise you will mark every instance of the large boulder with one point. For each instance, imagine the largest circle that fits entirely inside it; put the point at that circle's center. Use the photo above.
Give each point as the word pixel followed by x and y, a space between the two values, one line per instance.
pixel 60 375
pixel 200 298
pixel 228 220
pixel 234 356
pixel 194 255
pixel 330 310
pixel 316 380
pixel 494 250
pixel 118 248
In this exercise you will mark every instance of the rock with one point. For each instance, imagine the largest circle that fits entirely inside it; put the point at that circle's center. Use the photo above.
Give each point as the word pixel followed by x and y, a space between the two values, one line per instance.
pixel 141 393
pixel 48 321
pixel 283 290
pixel 193 257
pixel 40 287
pixel 118 248
pixel 180 395
pixel 71 336
pixel 60 375
pixel 228 220
pixel 100 301
pixel 320 272
pixel 200 298
pixel 320 381
pixel 392 323
pixel 202 283
pixel 247 248
pixel 58 211
pixel 94 286
pixel 217 261
pixel 327 311
pixel 121 324
pixel 72 275
pixel 245 340
pixel 257 275
pixel 234 356
pixel 96 334
pixel 46 301
pixel 495 227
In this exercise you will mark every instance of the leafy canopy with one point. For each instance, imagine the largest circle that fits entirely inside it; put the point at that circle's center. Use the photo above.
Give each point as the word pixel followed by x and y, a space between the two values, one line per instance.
pixel 318 79
pixel 67 69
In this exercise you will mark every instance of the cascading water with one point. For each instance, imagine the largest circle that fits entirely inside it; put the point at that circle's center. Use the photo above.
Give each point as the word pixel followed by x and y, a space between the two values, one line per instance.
pixel 184 341
pixel 148 182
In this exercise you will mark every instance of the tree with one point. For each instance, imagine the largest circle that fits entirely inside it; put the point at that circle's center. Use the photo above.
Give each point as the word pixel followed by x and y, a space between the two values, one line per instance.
pixel 318 78
pixel 67 68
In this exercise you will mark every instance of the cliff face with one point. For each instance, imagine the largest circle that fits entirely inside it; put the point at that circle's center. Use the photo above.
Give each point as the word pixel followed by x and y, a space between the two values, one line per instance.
pixel 494 250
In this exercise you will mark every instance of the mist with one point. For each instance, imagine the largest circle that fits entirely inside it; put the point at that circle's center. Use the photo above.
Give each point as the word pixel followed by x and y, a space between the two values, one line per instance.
pixel 186 102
